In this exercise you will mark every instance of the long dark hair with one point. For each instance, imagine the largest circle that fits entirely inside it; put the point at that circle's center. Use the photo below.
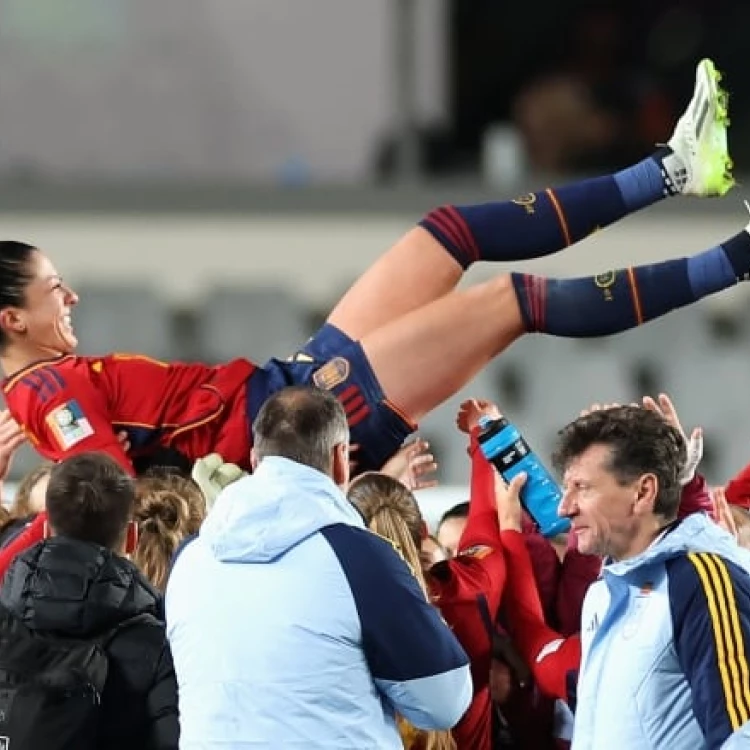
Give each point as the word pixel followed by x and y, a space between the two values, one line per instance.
pixel 15 275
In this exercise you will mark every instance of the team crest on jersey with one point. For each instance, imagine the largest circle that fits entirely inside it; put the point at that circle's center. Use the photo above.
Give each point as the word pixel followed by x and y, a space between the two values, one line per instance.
pixel 332 373
pixel 69 424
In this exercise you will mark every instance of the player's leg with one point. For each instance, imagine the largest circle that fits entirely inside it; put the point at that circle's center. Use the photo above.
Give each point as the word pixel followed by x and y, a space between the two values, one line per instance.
pixel 428 261
pixel 426 356
pixel 429 354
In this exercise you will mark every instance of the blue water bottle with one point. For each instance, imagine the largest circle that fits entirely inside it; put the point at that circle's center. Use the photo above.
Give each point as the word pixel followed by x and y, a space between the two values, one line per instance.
pixel 505 448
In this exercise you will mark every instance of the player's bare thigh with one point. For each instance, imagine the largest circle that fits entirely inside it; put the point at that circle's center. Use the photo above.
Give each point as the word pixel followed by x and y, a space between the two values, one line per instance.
pixel 416 271
pixel 424 357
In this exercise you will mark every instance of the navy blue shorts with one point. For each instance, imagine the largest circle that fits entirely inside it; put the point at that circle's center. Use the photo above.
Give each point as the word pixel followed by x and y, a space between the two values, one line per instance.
pixel 332 361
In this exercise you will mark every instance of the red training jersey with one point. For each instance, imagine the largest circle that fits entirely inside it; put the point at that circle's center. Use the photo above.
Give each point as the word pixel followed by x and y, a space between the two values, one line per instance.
pixel 467 589
pixel 553 659
pixel 69 405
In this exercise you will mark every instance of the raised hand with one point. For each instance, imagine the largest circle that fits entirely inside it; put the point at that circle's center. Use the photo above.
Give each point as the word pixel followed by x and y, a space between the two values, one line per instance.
pixel 413 465
pixel 693 444
pixel 471 411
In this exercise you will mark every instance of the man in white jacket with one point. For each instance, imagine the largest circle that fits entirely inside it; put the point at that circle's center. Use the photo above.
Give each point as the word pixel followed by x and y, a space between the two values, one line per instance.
pixel 291 625
pixel 665 631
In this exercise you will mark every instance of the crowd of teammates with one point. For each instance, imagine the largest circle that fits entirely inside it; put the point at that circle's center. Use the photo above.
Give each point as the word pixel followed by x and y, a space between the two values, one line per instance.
pixel 86 549
pixel 195 566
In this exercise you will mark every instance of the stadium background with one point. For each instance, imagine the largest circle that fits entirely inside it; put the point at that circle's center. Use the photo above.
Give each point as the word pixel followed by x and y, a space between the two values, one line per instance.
pixel 210 175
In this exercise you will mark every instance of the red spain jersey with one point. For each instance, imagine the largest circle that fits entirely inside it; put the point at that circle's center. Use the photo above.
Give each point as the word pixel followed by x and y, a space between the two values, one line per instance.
pixel 69 404
pixel 467 589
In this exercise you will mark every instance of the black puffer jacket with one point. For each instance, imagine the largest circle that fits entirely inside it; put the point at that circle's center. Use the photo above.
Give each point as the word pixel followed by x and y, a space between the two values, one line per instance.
pixel 80 590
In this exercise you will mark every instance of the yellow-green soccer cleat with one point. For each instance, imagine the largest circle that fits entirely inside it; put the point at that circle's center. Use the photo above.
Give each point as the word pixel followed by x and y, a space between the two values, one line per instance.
pixel 700 139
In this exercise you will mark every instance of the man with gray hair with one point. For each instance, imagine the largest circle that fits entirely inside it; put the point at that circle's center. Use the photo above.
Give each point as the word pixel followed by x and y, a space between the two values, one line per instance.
pixel 305 425
pixel 291 624
pixel 665 631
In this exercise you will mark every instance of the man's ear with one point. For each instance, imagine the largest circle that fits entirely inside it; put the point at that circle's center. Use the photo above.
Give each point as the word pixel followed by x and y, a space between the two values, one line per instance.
pixel 131 538
pixel 340 469
pixel 647 491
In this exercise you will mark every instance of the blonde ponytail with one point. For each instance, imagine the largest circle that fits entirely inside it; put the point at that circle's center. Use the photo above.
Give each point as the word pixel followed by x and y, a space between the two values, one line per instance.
pixel 390 510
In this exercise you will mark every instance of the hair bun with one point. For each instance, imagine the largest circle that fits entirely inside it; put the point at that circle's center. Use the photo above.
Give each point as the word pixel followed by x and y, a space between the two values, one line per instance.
pixel 162 513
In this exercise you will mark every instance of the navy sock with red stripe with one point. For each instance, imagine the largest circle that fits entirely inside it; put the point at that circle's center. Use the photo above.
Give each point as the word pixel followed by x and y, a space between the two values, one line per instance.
pixel 617 300
pixel 542 223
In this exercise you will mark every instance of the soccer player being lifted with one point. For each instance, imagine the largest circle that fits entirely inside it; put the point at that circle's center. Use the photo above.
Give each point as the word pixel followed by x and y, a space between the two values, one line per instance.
pixel 400 342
